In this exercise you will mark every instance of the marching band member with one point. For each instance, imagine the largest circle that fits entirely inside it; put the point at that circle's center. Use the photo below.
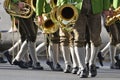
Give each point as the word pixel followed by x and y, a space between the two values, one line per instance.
pixel 67 48
pixel 1 57
pixel 8 53
pixel 90 15
pixel 102 53
pixel 114 33
pixel 28 32
pixel 54 49
pixel 114 38
pixel 42 7
pixel 68 63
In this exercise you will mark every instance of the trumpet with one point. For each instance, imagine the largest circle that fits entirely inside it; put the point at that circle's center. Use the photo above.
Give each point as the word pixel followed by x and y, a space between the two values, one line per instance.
pixel 116 16
pixel 14 10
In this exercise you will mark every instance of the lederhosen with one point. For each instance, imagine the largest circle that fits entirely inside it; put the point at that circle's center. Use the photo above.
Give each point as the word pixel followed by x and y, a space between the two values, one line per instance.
pixel 93 21
pixel 27 28
pixel 114 32
pixel 55 38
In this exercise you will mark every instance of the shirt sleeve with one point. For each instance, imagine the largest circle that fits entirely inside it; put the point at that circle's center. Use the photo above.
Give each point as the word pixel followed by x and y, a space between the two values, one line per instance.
pixel 39 7
pixel 106 4
pixel 15 1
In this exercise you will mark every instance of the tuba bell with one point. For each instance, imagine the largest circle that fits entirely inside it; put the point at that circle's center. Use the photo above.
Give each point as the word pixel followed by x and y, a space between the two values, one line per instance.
pixel 67 14
pixel 116 16
pixel 49 26
pixel 13 9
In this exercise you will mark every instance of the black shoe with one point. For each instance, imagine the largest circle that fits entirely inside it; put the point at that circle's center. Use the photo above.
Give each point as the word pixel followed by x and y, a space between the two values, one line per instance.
pixel 2 60
pixel 29 64
pixel 117 60
pixel 75 70
pixel 100 58
pixel 37 66
pixel 58 68
pixel 68 69
pixel 84 73
pixel 93 70
pixel 97 67
pixel 87 66
pixel 50 64
pixel 114 66
pixel 8 56
pixel 21 64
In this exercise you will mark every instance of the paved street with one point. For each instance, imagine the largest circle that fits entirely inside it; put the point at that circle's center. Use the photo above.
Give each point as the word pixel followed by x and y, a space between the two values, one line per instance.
pixel 11 72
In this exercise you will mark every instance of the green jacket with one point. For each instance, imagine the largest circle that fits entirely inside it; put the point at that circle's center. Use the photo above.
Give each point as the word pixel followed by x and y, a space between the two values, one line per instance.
pixel 116 3
pixel 42 7
pixel 97 5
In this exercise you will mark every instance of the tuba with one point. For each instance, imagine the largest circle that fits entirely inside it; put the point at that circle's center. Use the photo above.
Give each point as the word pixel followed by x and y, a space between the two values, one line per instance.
pixel 14 10
pixel 67 14
pixel 50 24
pixel 116 16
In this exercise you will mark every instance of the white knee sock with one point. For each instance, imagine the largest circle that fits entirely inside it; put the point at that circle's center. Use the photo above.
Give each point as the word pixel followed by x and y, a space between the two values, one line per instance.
pixel 66 55
pixel 88 53
pixel 55 48
pixel 105 50
pixel 31 50
pixel 80 54
pixel 15 46
pixel 72 51
pixel 50 53
pixel 40 47
pixel 94 51
pixel 112 54
pixel 22 52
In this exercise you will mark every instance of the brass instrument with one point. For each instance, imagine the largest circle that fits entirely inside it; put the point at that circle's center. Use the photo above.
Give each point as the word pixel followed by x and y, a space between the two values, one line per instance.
pixel 50 21
pixel 33 4
pixel 53 3
pixel 49 25
pixel 14 10
pixel 116 16
pixel 53 15
pixel 67 14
